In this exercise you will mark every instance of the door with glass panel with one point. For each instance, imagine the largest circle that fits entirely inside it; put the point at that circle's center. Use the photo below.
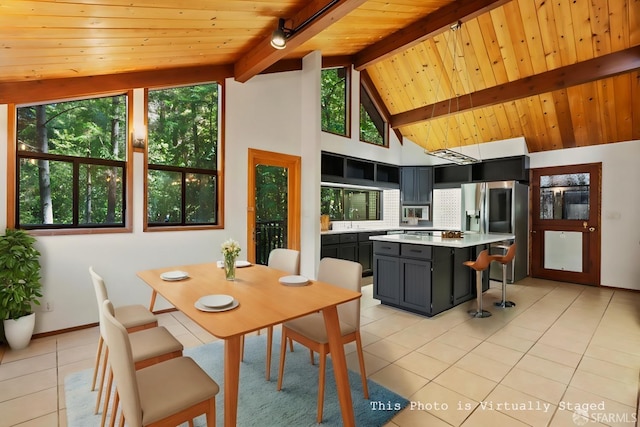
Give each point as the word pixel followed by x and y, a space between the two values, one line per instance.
pixel 273 214
pixel 565 232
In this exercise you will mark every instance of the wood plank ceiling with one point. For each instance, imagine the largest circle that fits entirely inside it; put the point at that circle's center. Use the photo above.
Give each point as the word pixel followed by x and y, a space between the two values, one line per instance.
pixel 562 74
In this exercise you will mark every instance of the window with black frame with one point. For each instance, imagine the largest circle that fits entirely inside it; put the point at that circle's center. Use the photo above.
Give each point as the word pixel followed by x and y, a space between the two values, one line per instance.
pixel 334 100
pixel 71 164
pixel 348 204
pixel 182 179
pixel 373 127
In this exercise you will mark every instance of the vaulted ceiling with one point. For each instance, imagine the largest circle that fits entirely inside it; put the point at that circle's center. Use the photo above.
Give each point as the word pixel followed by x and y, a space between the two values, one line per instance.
pixel 561 73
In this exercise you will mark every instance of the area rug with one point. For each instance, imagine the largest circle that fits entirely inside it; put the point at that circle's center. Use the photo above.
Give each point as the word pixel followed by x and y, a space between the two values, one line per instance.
pixel 260 404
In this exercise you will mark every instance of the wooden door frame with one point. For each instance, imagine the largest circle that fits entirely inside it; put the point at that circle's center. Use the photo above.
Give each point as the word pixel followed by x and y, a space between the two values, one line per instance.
pixel 595 207
pixel 292 163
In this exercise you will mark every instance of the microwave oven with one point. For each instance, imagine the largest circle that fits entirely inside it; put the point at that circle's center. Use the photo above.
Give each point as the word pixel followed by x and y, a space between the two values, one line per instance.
pixel 415 213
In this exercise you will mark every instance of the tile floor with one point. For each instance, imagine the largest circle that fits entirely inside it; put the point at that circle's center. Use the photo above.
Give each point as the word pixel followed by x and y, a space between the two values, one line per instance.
pixel 562 347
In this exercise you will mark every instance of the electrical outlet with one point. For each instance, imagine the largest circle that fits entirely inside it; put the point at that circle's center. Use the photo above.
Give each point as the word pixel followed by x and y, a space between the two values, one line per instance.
pixel 46 305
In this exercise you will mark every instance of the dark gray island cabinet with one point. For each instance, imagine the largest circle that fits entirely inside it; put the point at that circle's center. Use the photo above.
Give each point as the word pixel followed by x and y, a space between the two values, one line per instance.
pixel 425 274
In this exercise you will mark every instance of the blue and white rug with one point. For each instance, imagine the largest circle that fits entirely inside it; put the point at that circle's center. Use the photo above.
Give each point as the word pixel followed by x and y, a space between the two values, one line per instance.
pixel 259 403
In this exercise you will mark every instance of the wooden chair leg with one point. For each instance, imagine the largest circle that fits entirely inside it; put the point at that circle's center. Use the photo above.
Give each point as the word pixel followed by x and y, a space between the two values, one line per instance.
pixel 242 348
pixel 363 373
pixel 114 411
pixel 97 365
pixel 321 377
pixel 107 398
pixel 211 413
pixel 104 371
pixel 269 346
pixel 190 423
pixel 121 419
pixel 290 345
pixel 283 354
pixel 313 362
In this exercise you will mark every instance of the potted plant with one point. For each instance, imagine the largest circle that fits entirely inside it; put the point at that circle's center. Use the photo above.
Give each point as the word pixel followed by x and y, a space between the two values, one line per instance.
pixel 19 286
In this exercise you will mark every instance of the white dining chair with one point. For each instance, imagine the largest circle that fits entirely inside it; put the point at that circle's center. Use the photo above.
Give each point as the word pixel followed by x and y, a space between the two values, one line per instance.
pixel 167 393
pixel 311 332
pixel 288 261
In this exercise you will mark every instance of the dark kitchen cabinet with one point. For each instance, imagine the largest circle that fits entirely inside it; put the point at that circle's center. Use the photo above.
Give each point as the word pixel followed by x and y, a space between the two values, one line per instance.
pixel 416 185
pixel 420 278
pixel 350 170
pixel 354 246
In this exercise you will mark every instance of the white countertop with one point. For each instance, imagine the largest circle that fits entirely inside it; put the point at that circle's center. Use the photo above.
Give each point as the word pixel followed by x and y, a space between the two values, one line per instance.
pixel 383 229
pixel 470 239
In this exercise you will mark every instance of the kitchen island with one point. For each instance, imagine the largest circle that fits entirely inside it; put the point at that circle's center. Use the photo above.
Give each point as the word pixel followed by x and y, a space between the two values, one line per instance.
pixel 424 273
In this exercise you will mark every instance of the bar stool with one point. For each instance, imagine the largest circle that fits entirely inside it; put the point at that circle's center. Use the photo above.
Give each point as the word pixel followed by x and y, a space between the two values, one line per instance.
pixel 504 260
pixel 479 265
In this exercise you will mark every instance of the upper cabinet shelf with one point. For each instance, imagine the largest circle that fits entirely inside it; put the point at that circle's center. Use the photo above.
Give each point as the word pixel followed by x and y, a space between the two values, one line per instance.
pixel 503 169
pixel 350 170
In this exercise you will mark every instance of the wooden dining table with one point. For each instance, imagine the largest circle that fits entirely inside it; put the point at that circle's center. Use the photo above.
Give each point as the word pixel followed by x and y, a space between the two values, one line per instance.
pixel 263 301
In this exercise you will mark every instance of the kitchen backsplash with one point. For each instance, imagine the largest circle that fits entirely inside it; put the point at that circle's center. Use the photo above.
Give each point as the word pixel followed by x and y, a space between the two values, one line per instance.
pixel 446 208
pixel 390 214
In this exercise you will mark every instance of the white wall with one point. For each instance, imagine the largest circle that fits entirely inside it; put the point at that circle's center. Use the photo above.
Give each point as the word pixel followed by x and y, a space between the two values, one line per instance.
pixel 280 112
pixel 620 205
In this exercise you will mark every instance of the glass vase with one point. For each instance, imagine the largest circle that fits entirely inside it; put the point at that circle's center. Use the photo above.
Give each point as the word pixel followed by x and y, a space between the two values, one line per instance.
pixel 230 268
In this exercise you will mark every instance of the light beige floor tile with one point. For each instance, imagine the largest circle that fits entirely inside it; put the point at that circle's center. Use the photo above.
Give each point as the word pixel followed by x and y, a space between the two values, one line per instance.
pixel 62 418
pixel 65 370
pixel 458 340
pixel 26 366
pixel 372 363
pixel 466 383
pixel 479 328
pixel 27 384
pixel 399 380
pixel 415 418
pixel 513 342
pixel 488 368
pixel 535 385
pixel 614 356
pixel 387 350
pixel 546 368
pixel 609 370
pixel 497 352
pixel 75 354
pixel 484 418
pixel 37 347
pixel 29 407
pixel 598 408
pixel 570 418
pixel 408 338
pixel 624 393
pixel 425 366
pixel 48 420
pixel 441 351
pixel 445 404
pixel 78 338
pixel 518 405
pixel 555 354
pixel 188 340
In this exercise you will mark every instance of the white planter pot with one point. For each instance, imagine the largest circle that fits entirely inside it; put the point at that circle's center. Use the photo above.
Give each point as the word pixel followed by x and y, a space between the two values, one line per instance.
pixel 18 331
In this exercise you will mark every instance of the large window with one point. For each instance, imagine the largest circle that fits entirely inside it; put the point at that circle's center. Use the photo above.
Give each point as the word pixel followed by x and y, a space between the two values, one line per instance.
pixel 348 204
pixel 71 166
pixel 334 101
pixel 373 128
pixel 182 179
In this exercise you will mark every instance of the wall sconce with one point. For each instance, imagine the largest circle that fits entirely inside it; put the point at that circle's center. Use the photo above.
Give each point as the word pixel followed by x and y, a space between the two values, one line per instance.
pixel 139 138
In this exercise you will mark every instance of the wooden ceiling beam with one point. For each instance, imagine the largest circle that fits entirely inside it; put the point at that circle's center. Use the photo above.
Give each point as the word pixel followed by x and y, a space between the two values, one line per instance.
pixel 263 55
pixel 54 89
pixel 610 65
pixel 426 28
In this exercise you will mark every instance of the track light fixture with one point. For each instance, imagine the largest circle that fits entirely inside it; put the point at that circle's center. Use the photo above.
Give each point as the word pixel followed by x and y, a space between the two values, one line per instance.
pixel 280 35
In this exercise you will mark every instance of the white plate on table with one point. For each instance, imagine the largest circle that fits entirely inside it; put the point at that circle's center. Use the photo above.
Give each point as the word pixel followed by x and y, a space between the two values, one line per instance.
pixel 174 275
pixel 294 280
pixel 216 300
pixel 239 264
pixel 231 306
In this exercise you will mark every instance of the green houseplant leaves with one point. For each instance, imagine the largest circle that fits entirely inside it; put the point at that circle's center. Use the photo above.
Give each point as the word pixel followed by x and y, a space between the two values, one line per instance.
pixel 19 274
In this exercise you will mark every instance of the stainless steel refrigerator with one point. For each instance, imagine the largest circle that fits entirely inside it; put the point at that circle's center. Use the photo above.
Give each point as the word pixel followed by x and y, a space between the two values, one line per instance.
pixel 499 207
